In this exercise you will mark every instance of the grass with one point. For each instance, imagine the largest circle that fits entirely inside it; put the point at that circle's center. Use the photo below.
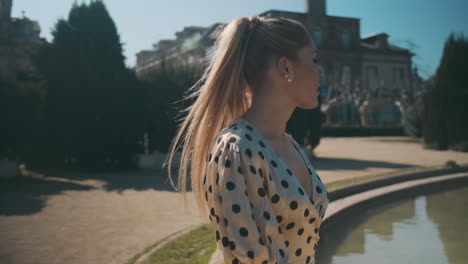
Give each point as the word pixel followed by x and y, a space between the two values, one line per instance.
pixel 402 140
pixel 343 183
pixel 197 246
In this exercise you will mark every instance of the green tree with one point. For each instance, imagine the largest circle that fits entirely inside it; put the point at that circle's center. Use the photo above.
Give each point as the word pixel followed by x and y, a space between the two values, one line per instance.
pixel 94 112
pixel 446 104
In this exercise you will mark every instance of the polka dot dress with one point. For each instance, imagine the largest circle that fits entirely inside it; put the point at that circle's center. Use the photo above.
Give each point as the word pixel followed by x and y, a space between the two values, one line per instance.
pixel 258 208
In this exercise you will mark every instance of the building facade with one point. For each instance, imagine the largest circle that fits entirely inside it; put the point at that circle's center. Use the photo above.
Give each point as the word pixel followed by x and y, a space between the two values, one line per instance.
pixel 358 70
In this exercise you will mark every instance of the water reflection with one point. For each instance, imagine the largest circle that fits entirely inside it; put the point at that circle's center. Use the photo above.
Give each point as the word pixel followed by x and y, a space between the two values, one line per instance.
pixel 427 229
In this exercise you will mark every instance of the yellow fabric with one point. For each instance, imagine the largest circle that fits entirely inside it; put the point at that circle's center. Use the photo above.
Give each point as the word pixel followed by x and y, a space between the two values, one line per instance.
pixel 258 208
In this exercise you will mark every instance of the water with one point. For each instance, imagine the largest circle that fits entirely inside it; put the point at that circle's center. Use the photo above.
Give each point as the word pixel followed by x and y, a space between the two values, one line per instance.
pixel 427 229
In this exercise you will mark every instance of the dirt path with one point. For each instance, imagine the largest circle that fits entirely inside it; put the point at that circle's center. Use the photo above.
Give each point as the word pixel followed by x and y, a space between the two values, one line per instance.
pixel 75 218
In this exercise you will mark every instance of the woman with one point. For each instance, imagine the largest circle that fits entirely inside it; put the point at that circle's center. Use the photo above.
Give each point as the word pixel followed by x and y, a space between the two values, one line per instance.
pixel 261 194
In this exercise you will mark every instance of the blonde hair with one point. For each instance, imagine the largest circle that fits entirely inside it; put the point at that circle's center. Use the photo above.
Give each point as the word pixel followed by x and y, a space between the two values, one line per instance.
pixel 241 54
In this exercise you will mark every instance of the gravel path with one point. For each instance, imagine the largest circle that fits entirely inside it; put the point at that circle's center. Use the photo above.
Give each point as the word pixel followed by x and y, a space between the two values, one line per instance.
pixel 94 218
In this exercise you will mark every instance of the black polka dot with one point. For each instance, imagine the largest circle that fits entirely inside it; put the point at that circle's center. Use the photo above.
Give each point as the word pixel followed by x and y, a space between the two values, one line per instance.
pixel 249 153
pixel 232 139
pixel 260 240
pixel 271 179
pixel 300 191
pixel 248 137
pixel 232 245
pixel 279 229
pixel 225 221
pixel 300 231
pixel 269 239
pixel 274 164
pixel 265 262
pixel 281 252
pixel 212 211
pixel 260 172
pixel 275 198
pixel 217 178
pixel 216 159
pixel 250 254
pixel 311 220
pixel 230 186
pixel 206 196
pixel 249 127
pixel 217 235
pixel 225 241
pixel 266 215
pixel 310 172
pixel 306 212
pixel 298 252
pixel 316 230
pixel 290 225
pixel 243 232
pixel 315 246
pixel 219 139
pixel 210 189
pixel 308 239
pixel 252 169
pixel 285 184
pixel 204 177
pixel 279 218
pixel 227 164
pixel 261 143
pixel 286 243
pixel 261 192
pixel 318 189
pixel 308 259
pixel 289 172
pixel 235 261
pixel 236 208
pixel 293 205
pixel 239 169
pixel 261 155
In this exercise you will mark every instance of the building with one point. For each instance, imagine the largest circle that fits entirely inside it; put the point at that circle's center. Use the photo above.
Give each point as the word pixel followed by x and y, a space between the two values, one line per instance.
pixel 17 37
pixel 357 69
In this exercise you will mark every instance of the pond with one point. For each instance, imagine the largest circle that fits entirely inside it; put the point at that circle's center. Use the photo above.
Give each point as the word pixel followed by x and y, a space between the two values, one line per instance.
pixel 430 228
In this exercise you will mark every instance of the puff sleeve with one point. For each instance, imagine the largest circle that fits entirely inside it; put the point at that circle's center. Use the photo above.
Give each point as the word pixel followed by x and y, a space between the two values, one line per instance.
pixel 240 208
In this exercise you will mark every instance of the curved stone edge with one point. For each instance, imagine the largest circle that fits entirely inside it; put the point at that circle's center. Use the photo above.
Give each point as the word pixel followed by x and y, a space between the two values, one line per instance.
pixel 393 179
pixel 343 200
pixel 404 190
pixel 166 241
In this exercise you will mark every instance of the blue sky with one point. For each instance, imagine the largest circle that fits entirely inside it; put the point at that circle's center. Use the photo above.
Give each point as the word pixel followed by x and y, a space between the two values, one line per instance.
pixel 426 23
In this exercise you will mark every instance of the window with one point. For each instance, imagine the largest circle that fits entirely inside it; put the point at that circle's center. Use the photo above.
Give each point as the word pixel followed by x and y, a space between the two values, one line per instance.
pixel 345 39
pixel 398 74
pixel 346 76
pixel 372 79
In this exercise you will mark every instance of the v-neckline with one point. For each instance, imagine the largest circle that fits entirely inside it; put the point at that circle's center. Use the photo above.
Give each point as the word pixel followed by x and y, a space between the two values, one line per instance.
pixel 270 147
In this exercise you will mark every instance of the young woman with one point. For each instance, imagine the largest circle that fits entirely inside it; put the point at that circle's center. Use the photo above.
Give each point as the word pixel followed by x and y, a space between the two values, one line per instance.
pixel 260 191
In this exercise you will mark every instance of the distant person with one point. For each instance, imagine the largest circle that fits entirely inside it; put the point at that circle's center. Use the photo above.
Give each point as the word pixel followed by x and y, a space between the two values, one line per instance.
pixel 253 180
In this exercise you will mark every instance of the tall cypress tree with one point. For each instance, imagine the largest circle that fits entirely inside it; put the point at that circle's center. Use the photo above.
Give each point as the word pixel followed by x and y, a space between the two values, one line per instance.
pixel 94 103
pixel 446 105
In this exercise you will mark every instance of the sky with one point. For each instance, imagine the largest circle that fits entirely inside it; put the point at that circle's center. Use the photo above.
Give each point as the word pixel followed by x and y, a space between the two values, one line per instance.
pixel 421 25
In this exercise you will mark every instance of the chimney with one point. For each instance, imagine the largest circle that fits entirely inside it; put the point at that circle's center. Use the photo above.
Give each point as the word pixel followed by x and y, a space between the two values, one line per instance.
pixel 316 7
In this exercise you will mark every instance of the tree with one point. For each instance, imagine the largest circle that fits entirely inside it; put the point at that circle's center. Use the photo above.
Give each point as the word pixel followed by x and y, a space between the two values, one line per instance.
pixel 446 108
pixel 94 109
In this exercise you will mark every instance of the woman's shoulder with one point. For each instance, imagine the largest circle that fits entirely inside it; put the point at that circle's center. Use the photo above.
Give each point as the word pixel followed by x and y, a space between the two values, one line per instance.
pixel 236 135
